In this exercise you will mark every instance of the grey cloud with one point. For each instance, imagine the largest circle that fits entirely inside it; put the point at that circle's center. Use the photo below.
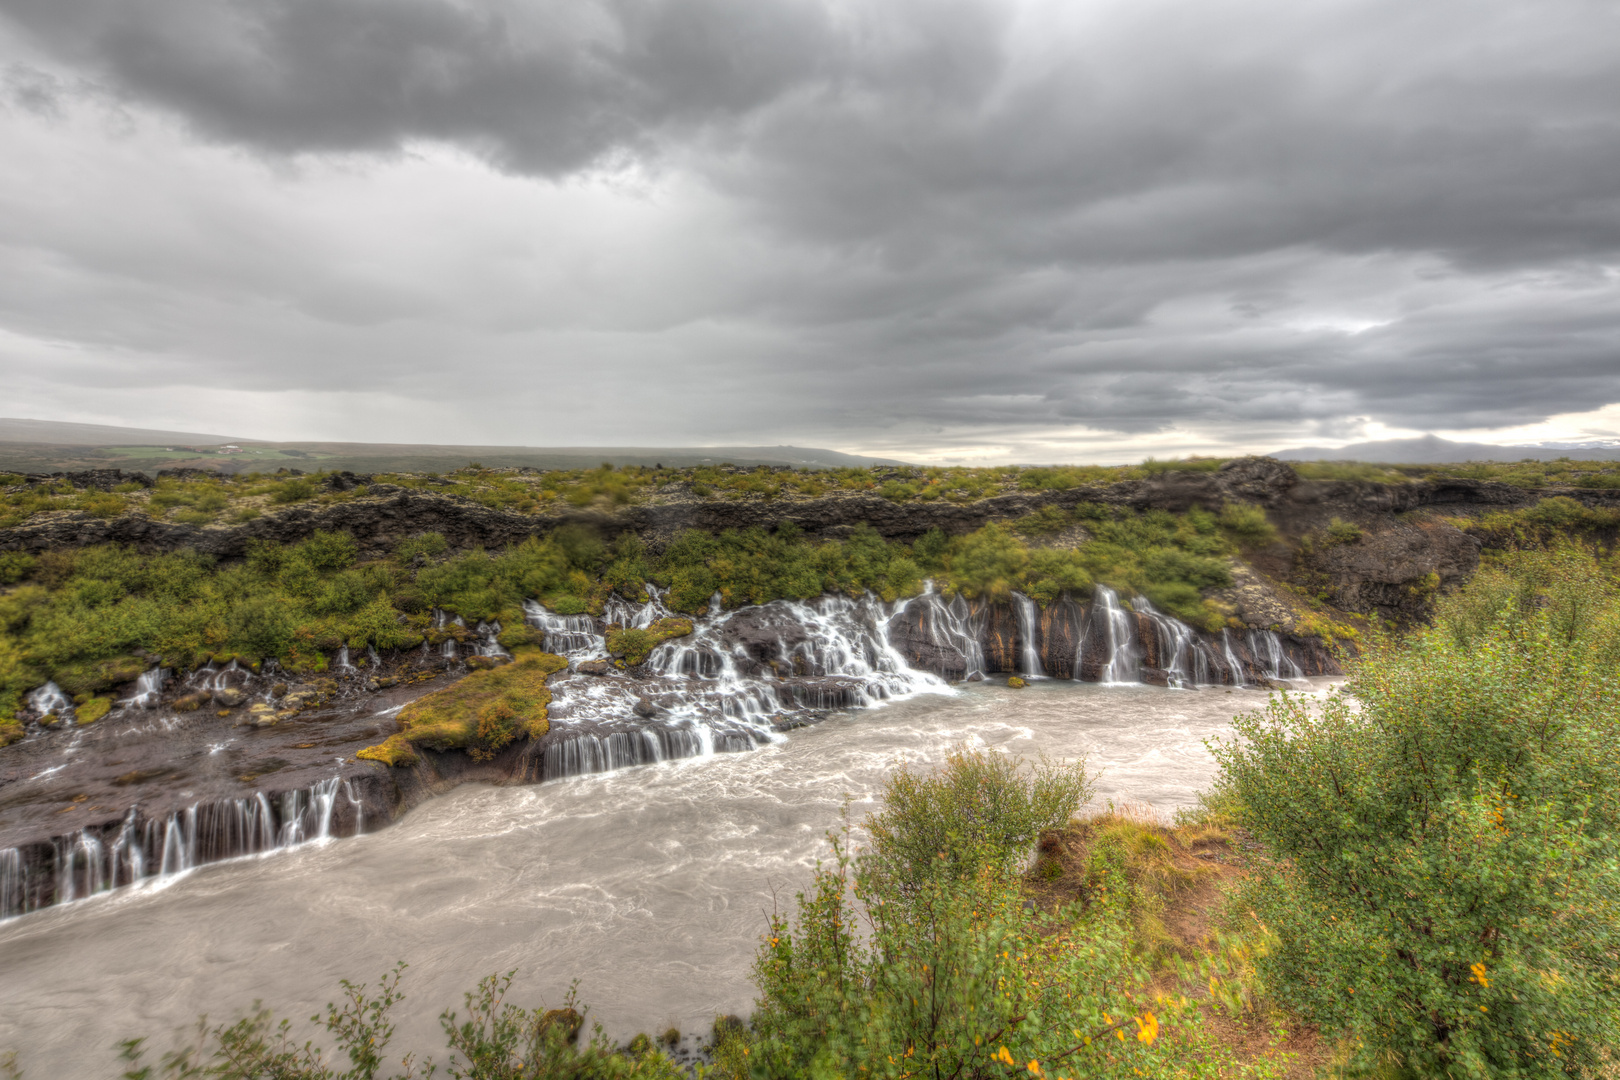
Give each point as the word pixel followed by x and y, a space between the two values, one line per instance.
pixel 1130 217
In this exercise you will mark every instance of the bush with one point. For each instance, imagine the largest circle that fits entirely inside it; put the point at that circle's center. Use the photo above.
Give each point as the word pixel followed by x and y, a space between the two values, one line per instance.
pixel 1340 531
pixel 1247 524
pixel 981 809
pixel 1443 869
pixel 496 1041
pixel 15 566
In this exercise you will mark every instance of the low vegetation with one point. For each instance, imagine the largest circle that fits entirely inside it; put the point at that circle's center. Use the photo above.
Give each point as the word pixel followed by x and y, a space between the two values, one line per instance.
pixel 480 714
pixel 93 618
pixel 1442 874
pixel 633 644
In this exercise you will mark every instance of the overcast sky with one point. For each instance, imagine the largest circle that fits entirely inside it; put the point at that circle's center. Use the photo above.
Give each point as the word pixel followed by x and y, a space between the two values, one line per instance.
pixel 970 230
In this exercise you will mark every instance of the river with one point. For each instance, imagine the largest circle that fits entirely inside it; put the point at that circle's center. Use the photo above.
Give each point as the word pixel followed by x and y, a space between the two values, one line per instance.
pixel 650 885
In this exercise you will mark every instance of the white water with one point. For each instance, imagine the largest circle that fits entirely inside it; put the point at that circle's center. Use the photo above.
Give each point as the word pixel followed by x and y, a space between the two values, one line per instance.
pixel 88 862
pixel 1029 657
pixel 651 884
pixel 1123 666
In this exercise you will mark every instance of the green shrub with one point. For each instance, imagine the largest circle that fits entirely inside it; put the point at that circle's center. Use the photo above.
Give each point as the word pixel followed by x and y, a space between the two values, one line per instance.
pixel 1340 531
pixel 15 566
pixel 495 1041
pixel 981 808
pixel 296 489
pixel 1246 523
pixel 1443 867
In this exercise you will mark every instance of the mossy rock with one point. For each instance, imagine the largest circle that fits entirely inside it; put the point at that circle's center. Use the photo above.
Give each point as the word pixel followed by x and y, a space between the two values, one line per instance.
pixel 634 645
pixel 93 710
pixel 479 714
pixel 11 730
pixel 519 635
pixel 97 675
pixel 1016 683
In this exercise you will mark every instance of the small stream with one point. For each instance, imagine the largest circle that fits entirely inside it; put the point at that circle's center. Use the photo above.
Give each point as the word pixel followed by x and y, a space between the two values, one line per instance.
pixel 650 885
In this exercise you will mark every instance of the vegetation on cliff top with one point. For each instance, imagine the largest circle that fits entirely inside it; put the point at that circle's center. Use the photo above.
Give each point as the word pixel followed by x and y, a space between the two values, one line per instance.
pixel 228 499
pixel 94 618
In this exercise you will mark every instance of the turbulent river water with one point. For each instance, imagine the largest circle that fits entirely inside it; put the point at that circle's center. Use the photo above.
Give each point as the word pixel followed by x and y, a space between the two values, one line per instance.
pixel 650 885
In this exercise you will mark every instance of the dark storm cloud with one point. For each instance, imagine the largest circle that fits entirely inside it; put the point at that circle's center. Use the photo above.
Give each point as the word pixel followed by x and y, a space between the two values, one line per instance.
pixel 1127 216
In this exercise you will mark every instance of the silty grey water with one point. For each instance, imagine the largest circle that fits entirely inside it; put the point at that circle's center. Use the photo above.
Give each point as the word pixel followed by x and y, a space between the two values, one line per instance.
pixel 650 885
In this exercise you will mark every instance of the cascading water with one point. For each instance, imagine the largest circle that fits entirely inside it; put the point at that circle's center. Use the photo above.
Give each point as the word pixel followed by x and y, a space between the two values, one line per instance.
pixel 49 699
pixel 489 643
pixel 93 860
pixel 1029 656
pixel 730 685
pixel 1123 664
pixel 1268 649
pixel 1184 658
pixel 1232 661
pixel 573 636
pixel 148 689
pixel 13 883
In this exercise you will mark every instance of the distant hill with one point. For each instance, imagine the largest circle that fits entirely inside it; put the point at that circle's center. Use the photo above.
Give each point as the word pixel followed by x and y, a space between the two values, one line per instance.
pixel 1433 450
pixel 56 433
pixel 49 446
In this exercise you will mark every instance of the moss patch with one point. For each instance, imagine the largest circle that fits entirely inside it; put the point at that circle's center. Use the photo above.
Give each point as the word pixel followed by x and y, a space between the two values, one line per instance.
pixel 10 731
pixel 479 714
pixel 93 710
pixel 87 678
pixel 634 645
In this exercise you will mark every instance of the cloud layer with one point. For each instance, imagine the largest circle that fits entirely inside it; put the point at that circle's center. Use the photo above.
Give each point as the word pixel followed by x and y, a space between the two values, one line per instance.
pixel 964 228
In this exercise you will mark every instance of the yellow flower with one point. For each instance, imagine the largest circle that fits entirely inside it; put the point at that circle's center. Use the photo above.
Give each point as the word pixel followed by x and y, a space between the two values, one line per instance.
pixel 1479 975
pixel 1034 1067
pixel 1147 1027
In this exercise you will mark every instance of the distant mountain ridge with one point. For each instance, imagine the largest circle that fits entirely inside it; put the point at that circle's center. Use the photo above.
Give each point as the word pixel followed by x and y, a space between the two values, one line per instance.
pixel 48 446
pixel 1433 450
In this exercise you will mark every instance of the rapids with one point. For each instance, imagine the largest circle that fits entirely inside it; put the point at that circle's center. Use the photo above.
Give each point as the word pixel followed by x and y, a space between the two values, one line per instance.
pixel 648 884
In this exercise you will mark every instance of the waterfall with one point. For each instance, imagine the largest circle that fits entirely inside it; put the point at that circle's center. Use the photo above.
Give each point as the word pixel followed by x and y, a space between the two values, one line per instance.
pixel 95 859
pixel 1232 661
pixel 49 699
pixel 1268 650
pixel 1187 659
pixel 1123 664
pixel 573 636
pixel 579 755
pixel 489 643
pixel 952 627
pixel 148 690
pixel 343 659
pixel 1029 657
pixel 13 883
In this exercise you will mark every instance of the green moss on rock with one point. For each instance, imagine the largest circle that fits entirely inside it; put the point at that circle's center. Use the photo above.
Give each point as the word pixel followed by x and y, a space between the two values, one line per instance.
pixel 93 710
pixel 10 730
pixel 88 678
pixel 479 714
pixel 519 635
pixel 634 644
